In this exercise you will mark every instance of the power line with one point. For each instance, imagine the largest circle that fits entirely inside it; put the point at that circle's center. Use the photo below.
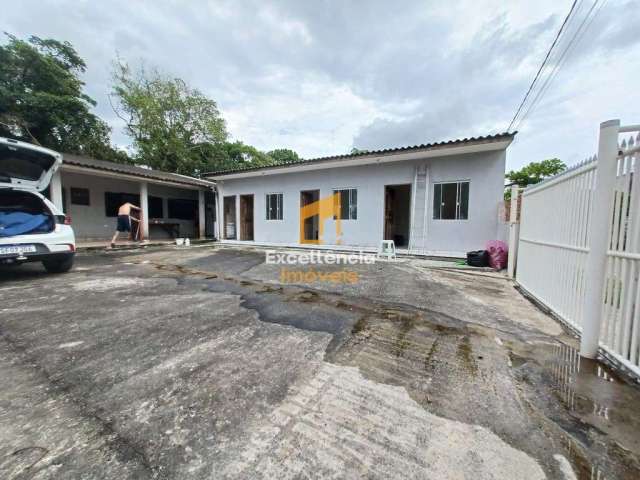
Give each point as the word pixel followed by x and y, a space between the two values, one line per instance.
pixel 544 62
pixel 577 36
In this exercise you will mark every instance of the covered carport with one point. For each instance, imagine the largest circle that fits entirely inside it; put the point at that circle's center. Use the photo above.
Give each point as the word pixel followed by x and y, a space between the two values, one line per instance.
pixel 90 191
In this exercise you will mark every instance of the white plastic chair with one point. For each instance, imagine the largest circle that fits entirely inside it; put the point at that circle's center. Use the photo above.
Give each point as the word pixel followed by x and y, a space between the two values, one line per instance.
pixel 387 249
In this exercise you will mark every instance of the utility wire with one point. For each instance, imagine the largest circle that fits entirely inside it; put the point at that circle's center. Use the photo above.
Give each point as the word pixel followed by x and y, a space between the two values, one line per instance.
pixel 577 36
pixel 544 62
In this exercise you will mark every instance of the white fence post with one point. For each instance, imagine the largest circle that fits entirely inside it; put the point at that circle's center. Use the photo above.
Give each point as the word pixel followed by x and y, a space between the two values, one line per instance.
pixel 514 231
pixel 598 235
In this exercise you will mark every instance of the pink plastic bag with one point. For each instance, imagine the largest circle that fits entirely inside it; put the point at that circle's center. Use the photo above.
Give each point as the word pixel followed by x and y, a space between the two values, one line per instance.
pixel 498 252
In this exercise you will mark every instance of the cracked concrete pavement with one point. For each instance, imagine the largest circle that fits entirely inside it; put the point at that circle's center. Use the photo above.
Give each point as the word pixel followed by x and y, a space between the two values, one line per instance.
pixel 201 363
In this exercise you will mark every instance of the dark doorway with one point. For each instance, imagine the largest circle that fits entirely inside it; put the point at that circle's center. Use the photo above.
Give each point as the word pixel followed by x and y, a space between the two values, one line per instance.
pixel 397 214
pixel 230 217
pixel 310 217
pixel 246 217
pixel 210 214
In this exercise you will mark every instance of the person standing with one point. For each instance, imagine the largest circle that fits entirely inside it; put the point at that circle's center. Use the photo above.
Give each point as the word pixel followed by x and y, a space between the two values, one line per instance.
pixel 124 220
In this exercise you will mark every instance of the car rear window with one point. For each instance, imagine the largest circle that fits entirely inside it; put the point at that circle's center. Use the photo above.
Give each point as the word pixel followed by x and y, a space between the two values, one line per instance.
pixel 22 163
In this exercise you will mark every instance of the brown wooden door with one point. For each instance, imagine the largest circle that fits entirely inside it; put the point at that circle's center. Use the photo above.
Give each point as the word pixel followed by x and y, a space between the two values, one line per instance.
pixel 388 214
pixel 310 226
pixel 246 217
pixel 229 217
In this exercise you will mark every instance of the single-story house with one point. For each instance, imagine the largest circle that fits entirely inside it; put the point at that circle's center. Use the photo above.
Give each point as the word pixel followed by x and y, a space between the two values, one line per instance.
pixel 439 198
pixel 90 192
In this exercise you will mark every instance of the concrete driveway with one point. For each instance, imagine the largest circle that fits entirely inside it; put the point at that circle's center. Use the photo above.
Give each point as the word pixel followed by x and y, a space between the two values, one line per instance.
pixel 204 363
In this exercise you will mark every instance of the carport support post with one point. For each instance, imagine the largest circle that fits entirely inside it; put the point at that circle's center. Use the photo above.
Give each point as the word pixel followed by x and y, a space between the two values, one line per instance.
pixel 598 236
pixel 220 210
pixel 201 215
pixel 514 232
pixel 55 190
pixel 144 205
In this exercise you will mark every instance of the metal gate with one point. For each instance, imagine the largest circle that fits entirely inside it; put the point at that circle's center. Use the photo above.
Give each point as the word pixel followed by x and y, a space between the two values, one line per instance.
pixel 579 246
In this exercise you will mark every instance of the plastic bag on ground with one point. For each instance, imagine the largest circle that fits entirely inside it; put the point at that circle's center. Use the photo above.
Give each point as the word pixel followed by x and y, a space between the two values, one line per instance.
pixel 498 252
pixel 478 258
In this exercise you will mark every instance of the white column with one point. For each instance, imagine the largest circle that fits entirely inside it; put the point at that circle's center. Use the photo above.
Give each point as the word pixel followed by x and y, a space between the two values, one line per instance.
pixel 55 189
pixel 220 211
pixel 514 232
pixel 201 215
pixel 598 234
pixel 144 205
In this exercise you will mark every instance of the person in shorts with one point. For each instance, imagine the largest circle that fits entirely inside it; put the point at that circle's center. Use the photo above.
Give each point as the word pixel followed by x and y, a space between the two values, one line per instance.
pixel 124 220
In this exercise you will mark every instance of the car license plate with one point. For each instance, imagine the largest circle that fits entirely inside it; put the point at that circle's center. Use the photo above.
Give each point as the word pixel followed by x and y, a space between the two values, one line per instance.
pixel 17 249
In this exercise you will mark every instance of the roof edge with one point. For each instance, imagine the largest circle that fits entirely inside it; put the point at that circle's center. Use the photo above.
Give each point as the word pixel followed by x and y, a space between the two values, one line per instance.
pixel 90 163
pixel 371 154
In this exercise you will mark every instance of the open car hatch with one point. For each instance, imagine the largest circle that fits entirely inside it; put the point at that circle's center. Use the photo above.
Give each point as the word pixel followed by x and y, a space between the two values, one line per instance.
pixel 26 165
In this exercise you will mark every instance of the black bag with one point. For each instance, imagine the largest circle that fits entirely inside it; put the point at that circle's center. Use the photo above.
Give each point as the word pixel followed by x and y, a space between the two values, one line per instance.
pixel 478 258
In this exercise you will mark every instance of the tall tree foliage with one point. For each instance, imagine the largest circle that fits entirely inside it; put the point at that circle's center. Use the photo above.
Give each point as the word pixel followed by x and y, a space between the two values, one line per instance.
pixel 283 155
pixel 233 155
pixel 533 173
pixel 536 172
pixel 357 151
pixel 42 99
pixel 174 127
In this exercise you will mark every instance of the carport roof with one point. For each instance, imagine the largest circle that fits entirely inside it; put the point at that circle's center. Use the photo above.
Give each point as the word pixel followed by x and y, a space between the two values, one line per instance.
pixel 374 155
pixel 132 170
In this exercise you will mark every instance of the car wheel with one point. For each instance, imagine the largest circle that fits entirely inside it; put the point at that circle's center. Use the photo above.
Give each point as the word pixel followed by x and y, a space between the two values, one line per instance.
pixel 58 266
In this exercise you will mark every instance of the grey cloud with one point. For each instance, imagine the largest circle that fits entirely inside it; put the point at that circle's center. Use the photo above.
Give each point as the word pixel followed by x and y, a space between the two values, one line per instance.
pixel 466 99
pixel 398 59
pixel 614 28
pixel 432 125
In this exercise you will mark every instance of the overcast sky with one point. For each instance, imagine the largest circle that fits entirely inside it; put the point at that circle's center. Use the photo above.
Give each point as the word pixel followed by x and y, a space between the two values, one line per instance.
pixel 321 77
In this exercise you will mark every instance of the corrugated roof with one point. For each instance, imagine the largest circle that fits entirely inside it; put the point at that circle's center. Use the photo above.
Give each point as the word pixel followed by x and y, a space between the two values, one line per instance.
pixel 386 151
pixel 92 163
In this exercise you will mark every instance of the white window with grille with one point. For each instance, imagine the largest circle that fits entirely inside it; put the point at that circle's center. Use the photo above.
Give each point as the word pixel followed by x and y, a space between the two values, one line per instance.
pixel 274 206
pixel 348 203
pixel 451 201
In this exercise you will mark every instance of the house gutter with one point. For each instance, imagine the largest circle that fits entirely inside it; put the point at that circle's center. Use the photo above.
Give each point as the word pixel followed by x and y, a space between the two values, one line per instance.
pixel 367 160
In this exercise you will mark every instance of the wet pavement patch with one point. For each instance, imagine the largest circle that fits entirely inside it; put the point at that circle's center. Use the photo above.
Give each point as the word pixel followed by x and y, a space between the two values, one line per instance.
pixel 596 409
pixel 359 326
pixel 443 364
pixel 306 296
pixel 465 355
pixel 202 348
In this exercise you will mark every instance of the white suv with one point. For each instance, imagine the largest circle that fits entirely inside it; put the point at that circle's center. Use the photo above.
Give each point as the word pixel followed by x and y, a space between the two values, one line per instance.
pixel 32 229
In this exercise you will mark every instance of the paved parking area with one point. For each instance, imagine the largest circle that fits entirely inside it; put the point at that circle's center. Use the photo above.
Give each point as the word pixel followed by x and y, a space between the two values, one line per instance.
pixel 205 363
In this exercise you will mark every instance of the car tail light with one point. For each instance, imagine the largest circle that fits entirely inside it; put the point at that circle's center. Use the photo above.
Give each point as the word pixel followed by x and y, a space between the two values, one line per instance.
pixel 67 220
pixel 72 247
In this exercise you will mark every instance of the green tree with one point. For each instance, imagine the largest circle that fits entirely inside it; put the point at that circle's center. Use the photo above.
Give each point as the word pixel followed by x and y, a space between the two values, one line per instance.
pixel 536 172
pixel 42 99
pixel 284 155
pixel 358 151
pixel 232 155
pixel 172 125
pixel 533 173
pixel 243 154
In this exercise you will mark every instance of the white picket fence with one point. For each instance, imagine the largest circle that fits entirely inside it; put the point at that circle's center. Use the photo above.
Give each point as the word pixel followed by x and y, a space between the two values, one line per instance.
pixel 557 263
pixel 621 304
pixel 554 226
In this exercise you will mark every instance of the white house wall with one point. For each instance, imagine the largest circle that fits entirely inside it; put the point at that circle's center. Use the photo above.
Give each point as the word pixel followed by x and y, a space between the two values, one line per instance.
pixel 91 222
pixel 484 171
